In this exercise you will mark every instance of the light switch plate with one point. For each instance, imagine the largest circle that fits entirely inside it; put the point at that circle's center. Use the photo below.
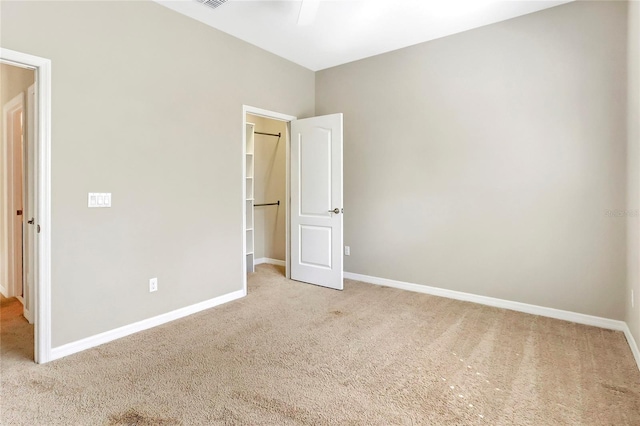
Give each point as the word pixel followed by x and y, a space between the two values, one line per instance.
pixel 99 199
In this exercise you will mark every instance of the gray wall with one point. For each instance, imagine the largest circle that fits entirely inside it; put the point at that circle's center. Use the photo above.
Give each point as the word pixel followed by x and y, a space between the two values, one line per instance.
pixel 147 104
pixel 633 171
pixel 485 162
pixel 481 162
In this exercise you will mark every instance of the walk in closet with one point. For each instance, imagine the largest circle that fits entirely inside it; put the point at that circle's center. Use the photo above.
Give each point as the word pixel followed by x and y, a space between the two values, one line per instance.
pixel 265 180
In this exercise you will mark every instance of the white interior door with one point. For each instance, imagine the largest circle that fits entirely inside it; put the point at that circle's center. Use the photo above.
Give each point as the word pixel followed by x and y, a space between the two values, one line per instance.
pixel 30 167
pixel 18 207
pixel 316 200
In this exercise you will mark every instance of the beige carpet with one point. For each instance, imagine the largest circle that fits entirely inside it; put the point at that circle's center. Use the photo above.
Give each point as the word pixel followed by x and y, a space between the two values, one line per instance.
pixel 16 335
pixel 291 353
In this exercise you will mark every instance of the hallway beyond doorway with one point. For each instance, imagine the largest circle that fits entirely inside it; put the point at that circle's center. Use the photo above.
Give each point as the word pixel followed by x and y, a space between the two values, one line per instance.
pixel 16 334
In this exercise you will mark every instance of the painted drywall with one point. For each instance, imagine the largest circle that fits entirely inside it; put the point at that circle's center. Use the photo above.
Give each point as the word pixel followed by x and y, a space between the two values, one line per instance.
pixel 270 186
pixel 486 162
pixel 633 172
pixel 147 105
pixel 13 81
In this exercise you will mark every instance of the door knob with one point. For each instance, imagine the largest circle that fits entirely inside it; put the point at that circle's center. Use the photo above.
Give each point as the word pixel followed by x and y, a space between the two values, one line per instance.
pixel 336 210
pixel 31 222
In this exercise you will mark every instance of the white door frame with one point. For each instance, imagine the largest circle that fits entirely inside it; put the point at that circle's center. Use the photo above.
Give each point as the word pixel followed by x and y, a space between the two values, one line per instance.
pixel 246 109
pixel 10 272
pixel 42 279
pixel 28 202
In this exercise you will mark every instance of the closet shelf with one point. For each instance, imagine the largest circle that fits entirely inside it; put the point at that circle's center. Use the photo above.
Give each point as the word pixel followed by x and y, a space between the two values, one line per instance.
pixel 249 200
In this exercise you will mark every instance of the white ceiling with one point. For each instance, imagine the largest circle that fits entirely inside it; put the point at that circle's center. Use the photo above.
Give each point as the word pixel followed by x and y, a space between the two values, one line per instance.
pixel 347 30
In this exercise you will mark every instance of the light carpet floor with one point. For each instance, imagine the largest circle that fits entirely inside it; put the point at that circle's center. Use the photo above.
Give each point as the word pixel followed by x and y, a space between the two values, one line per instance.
pixel 291 353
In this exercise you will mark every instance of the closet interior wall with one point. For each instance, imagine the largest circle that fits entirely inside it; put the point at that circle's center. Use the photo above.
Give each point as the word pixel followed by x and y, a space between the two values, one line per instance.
pixel 269 187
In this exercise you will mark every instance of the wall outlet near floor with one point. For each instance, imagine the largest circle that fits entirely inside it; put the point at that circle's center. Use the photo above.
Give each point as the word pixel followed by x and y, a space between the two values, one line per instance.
pixel 153 285
pixel 347 251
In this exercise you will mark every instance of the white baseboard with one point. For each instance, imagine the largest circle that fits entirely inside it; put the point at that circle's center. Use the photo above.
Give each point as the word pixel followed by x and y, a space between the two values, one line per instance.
pixel 27 315
pixel 269 261
pixel 25 311
pixel 491 301
pixel 507 304
pixel 632 344
pixel 108 336
pixel 3 291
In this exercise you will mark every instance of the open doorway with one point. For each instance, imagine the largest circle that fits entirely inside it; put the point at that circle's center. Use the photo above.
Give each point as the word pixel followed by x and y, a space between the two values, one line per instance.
pixel 313 198
pixel 265 189
pixel 267 174
pixel 36 214
pixel 17 127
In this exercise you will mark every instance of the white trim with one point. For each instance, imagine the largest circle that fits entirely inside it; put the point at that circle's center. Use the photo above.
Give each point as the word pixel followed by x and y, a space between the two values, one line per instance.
pixel 632 344
pixel 111 335
pixel 266 113
pixel 27 314
pixel 507 304
pixel 43 194
pixel 29 197
pixel 270 261
pixel 247 109
pixel 3 291
pixel 287 219
pixel 42 294
pixel 491 301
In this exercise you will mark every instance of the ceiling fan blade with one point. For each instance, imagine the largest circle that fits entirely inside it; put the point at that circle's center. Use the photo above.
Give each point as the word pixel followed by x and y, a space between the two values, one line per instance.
pixel 212 3
pixel 308 11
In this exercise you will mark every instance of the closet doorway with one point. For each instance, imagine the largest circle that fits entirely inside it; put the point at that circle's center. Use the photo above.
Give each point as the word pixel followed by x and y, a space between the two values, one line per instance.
pixel 266 188
pixel 312 205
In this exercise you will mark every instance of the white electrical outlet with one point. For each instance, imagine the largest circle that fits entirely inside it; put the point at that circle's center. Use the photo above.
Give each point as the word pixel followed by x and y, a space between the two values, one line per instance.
pixel 153 285
pixel 347 251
